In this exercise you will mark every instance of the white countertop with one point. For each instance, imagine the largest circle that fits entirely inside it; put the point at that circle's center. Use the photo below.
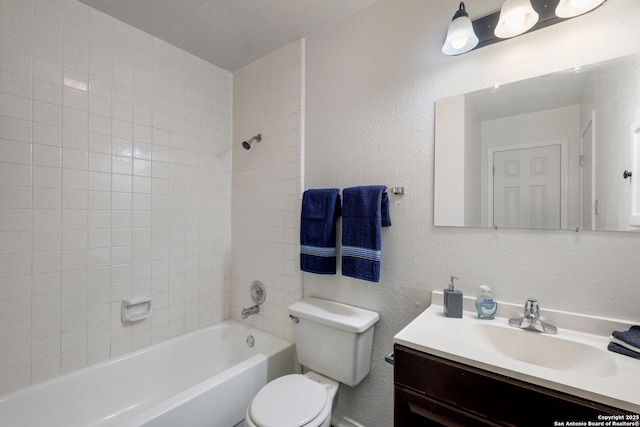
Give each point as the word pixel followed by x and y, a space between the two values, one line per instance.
pixel 434 333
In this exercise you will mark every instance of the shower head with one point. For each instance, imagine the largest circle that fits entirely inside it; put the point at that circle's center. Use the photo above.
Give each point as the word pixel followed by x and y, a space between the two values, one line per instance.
pixel 247 144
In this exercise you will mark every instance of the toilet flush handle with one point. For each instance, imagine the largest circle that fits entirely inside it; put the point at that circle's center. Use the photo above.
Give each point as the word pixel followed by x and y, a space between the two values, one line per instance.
pixel 294 318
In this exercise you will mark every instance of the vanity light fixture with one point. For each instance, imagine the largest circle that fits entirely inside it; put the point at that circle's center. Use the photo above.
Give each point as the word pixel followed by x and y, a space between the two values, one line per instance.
pixel 460 37
pixel 571 8
pixel 514 18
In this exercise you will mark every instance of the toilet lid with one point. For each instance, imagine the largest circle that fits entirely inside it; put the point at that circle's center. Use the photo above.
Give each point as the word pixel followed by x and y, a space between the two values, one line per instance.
pixel 289 401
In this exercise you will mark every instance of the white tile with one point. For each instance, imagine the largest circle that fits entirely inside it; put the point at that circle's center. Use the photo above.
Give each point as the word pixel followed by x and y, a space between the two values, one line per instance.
pixel 121 165
pixel 99 219
pixel 99 162
pixel 99 181
pixel 122 147
pixel 121 201
pixel 99 200
pixel 141 184
pixel 18 84
pixel 46 177
pixel 14 378
pixel 45 369
pixel 74 98
pixel 15 152
pixel 15 265
pixel 121 183
pixel 142 116
pixel 47 134
pixel 75 138
pixel 14 310
pixel 15 241
pixel 15 106
pixel 75 119
pixel 15 197
pixel 15 219
pixel 100 124
pixel 46 155
pixel 46 262
pixel 48 325
pixel 99 277
pixel 143 167
pixel 122 93
pixel 73 360
pixel 99 257
pixel 99 238
pixel 100 105
pixel 15 129
pixel 15 287
pixel 45 347
pixel 46 219
pixel 46 283
pixel 45 305
pixel 74 259
pixel 74 219
pixel 74 159
pixel 122 111
pixel 73 178
pixel 99 143
pixel 15 174
pixel 74 239
pixel 99 86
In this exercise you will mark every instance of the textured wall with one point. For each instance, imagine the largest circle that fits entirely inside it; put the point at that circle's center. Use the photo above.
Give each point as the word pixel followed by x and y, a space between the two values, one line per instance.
pixel 372 80
pixel 115 178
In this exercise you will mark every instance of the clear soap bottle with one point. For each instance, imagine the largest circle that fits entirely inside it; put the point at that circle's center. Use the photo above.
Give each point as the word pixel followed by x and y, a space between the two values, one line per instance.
pixel 485 305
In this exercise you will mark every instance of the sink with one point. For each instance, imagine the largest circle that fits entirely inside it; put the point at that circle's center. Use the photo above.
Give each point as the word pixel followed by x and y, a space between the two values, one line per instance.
pixel 547 351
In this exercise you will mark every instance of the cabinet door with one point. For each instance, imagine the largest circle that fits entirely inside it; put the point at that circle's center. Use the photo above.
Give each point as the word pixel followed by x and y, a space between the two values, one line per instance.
pixel 416 410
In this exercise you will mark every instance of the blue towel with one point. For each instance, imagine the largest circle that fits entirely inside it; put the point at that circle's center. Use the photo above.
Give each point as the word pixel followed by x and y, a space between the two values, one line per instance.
pixel 630 337
pixel 623 350
pixel 320 210
pixel 365 210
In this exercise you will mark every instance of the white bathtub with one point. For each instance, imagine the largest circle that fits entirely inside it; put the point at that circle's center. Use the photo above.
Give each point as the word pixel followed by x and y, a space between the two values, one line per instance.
pixel 204 378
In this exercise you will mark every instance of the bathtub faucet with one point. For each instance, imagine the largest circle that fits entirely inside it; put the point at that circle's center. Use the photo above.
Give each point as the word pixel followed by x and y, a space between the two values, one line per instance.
pixel 246 312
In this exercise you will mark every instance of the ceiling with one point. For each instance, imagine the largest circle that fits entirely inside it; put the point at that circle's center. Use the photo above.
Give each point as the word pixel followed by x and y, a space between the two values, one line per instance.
pixel 229 33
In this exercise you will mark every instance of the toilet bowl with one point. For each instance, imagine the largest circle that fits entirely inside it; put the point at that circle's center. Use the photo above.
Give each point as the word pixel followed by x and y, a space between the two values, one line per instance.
pixel 293 401
pixel 333 341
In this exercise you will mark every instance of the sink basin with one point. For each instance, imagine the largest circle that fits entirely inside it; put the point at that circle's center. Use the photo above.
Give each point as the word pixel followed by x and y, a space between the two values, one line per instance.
pixel 548 351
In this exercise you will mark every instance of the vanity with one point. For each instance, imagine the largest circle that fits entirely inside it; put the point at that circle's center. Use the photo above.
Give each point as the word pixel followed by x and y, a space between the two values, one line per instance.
pixel 472 372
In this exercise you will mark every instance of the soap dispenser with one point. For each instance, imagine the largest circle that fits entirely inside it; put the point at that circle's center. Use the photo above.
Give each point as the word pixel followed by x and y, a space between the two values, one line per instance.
pixel 486 306
pixel 453 301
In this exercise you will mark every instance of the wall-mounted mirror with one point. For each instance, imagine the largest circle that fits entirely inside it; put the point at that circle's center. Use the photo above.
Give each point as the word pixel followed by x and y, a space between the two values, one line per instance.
pixel 548 152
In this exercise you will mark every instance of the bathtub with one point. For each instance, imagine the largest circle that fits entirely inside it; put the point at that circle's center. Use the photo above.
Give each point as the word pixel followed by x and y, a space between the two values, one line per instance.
pixel 204 378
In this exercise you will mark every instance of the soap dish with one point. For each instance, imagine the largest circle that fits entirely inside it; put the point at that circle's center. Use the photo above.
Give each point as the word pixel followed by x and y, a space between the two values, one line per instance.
pixel 137 308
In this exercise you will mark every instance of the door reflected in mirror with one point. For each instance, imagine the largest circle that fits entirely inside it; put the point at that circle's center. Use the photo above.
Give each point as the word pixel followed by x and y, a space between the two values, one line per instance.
pixel 546 153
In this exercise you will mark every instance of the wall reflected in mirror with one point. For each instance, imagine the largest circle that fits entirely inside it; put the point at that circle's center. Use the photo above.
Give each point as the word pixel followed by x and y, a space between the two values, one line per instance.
pixel 544 153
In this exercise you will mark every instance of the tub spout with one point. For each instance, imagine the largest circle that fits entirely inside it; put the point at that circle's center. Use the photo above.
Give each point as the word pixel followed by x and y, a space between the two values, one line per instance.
pixel 246 312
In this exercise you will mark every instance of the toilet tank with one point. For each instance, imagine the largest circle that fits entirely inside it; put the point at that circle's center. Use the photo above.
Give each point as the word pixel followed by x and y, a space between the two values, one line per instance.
pixel 333 339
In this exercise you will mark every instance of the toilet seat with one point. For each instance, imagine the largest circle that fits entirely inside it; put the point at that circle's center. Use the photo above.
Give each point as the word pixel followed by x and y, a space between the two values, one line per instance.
pixel 289 401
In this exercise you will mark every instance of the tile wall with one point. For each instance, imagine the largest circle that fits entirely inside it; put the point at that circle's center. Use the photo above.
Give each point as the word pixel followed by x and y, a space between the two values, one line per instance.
pixel 115 180
pixel 268 98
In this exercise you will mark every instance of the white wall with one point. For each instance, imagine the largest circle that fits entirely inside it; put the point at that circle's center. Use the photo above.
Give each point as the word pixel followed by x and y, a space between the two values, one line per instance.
pixel 267 180
pixel 372 81
pixel 115 178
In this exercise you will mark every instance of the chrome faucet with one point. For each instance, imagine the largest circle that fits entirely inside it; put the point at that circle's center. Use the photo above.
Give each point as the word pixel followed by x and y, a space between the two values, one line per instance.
pixel 531 319
pixel 246 312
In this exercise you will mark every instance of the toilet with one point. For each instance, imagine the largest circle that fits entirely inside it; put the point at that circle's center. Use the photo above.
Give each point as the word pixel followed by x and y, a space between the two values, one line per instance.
pixel 333 341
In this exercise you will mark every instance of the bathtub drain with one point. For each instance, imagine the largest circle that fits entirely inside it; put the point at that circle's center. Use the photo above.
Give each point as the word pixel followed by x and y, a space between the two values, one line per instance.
pixel 250 341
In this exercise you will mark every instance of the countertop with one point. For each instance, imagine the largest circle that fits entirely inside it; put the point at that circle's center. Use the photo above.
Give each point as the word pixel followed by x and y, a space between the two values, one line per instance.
pixel 434 333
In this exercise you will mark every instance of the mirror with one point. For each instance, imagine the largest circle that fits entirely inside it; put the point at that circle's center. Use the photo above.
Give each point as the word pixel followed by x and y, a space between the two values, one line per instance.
pixel 547 152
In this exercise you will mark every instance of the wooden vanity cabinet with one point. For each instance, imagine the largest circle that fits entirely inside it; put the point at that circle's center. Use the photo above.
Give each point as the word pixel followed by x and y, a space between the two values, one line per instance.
pixel 433 391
